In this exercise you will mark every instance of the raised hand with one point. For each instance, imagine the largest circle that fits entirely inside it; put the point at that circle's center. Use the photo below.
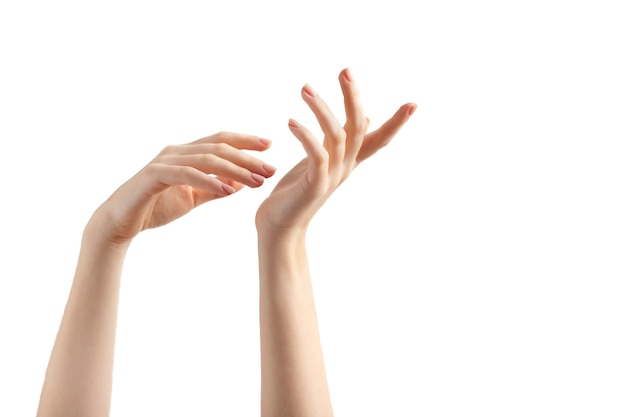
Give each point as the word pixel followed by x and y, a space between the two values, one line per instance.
pixel 304 189
pixel 293 375
pixel 179 179
pixel 80 372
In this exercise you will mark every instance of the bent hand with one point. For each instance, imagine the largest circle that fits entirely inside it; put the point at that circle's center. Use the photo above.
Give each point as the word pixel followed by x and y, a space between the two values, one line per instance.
pixel 179 179
pixel 304 189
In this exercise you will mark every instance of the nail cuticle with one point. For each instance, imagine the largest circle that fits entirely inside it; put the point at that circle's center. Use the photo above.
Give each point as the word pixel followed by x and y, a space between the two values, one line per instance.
pixel 309 90
pixel 257 178
pixel 269 169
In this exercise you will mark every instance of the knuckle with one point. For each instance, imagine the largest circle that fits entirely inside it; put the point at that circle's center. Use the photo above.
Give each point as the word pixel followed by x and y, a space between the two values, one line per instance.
pixel 358 126
pixel 222 136
pixel 186 172
pixel 361 125
pixel 220 147
pixel 321 155
pixel 339 134
pixel 216 137
pixel 207 158
pixel 151 169
pixel 168 150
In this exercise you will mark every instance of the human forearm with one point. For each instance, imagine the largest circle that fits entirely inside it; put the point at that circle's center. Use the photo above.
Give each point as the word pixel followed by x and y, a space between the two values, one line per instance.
pixel 292 366
pixel 79 375
pixel 181 177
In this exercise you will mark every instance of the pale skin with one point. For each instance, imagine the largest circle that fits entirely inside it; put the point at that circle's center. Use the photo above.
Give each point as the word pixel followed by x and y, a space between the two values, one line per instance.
pixel 182 177
pixel 79 375
pixel 292 366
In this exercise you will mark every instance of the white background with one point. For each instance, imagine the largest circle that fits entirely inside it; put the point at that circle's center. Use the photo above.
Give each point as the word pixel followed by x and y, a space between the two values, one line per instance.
pixel 475 266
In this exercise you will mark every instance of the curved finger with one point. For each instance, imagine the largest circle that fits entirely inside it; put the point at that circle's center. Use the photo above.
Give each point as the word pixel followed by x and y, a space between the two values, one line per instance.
pixel 237 140
pixel 211 164
pixel 334 134
pixel 202 196
pixel 224 151
pixel 316 153
pixel 382 136
pixel 162 176
pixel 356 122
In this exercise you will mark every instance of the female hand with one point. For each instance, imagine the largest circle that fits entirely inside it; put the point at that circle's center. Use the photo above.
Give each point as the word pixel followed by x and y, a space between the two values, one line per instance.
pixel 304 189
pixel 179 179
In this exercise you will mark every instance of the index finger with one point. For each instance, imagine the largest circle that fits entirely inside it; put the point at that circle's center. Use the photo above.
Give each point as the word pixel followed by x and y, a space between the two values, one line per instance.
pixel 237 140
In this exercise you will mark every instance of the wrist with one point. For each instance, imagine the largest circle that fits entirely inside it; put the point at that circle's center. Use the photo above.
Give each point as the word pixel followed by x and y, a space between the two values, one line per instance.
pixel 100 259
pixel 281 244
pixel 280 235
pixel 97 233
pixel 282 257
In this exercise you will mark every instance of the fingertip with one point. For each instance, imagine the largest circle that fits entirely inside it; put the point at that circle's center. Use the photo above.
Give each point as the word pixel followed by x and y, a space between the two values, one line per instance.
pixel 293 124
pixel 269 169
pixel 228 189
pixel 258 179
pixel 307 91
pixel 265 142
pixel 346 75
pixel 404 112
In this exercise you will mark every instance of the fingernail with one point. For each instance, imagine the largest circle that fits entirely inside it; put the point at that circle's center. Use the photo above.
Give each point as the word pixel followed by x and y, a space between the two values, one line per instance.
pixel 346 73
pixel 266 142
pixel 294 124
pixel 257 178
pixel 309 91
pixel 412 109
pixel 228 189
pixel 269 169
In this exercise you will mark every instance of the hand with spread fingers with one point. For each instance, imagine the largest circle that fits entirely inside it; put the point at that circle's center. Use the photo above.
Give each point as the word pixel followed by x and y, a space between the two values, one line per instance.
pixel 181 178
pixel 302 191
pixel 293 375
pixel 79 376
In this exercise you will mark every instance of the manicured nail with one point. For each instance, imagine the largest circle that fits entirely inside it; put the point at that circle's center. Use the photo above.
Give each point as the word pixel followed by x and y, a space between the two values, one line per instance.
pixel 309 91
pixel 269 169
pixel 257 178
pixel 228 189
pixel 265 142
pixel 346 73
pixel 294 124
pixel 412 109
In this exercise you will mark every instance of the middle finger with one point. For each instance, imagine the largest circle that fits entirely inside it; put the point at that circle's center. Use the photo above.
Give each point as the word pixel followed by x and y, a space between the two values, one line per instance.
pixel 334 134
